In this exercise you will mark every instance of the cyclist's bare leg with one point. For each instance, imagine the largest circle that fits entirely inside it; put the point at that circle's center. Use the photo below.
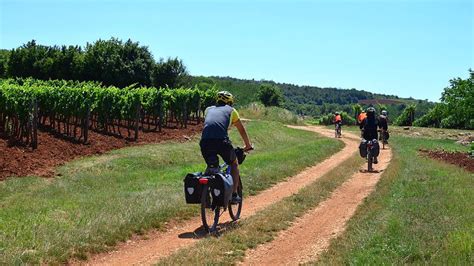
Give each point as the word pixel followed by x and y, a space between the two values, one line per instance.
pixel 234 171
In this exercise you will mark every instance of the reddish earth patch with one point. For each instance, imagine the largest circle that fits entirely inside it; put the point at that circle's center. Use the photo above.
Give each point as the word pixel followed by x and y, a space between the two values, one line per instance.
pixel 380 101
pixel 53 151
pixel 460 159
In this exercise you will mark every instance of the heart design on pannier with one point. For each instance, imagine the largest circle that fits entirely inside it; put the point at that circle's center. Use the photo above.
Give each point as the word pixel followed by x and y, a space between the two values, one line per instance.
pixel 217 192
pixel 190 190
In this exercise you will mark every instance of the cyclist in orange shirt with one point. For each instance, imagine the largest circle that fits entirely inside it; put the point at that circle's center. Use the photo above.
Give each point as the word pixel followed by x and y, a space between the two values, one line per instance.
pixel 338 124
pixel 361 116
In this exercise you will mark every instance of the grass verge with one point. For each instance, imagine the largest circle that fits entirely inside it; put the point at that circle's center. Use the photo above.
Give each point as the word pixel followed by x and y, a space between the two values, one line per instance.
pixel 265 225
pixel 101 200
pixel 421 213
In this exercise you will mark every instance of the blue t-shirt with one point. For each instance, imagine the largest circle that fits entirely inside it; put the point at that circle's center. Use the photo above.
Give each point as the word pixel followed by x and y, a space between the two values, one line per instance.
pixel 218 120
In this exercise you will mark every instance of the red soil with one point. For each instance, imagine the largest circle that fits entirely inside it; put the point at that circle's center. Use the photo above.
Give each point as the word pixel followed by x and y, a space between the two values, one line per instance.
pixel 53 151
pixel 460 159
pixel 380 101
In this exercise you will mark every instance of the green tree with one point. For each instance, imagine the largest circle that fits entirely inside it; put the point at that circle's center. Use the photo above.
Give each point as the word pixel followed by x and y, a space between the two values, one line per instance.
pixel 69 63
pixel 4 55
pixel 170 73
pixel 459 100
pixel 23 61
pixel 270 95
pixel 116 63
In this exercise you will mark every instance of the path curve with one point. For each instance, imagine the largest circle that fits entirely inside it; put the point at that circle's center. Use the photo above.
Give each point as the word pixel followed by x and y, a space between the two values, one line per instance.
pixel 311 234
pixel 158 245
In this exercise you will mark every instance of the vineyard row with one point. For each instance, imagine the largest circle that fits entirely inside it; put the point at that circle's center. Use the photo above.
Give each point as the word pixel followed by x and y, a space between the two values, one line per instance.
pixel 72 109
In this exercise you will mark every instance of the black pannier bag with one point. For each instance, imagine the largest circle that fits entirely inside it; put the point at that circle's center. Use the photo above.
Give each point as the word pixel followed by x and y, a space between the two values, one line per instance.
pixel 363 148
pixel 375 148
pixel 192 188
pixel 221 189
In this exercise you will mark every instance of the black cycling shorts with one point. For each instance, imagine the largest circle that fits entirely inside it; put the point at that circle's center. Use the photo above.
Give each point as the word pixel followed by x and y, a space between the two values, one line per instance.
pixel 210 148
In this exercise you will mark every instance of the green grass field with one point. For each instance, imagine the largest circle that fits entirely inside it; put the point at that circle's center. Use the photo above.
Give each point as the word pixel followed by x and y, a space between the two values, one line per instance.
pixel 101 200
pixel 421 213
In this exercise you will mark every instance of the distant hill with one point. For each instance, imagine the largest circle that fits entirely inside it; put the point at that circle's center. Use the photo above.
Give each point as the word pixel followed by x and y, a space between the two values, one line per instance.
pixel 312 100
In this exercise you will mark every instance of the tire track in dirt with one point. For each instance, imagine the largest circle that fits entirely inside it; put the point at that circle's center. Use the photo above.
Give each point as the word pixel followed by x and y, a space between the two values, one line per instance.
pixel 158 245
pixel 311 234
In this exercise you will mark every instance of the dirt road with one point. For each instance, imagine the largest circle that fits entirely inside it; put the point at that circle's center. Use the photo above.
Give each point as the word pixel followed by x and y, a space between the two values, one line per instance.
pixel 312 232
pixel 158 245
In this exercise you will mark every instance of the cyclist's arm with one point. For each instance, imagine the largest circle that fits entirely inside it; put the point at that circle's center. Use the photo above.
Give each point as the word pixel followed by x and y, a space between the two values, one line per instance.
pixel 235 120
pixel 243 133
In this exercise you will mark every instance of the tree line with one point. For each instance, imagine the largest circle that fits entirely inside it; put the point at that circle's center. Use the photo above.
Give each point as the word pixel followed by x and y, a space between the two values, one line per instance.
pixel 309 100
pixel 111 62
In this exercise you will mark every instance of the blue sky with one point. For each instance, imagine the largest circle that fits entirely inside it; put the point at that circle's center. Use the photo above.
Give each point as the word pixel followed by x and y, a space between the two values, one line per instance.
pixel 407 48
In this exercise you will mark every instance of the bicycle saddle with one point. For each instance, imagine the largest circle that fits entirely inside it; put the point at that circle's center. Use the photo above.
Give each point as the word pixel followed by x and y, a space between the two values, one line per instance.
pixel 211 170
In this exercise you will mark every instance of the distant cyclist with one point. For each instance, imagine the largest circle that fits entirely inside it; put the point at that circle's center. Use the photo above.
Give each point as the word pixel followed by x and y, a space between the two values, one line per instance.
pixel 369 126
pixel 383 119
pixel 337 120
pixel 215 139
pixel 361 116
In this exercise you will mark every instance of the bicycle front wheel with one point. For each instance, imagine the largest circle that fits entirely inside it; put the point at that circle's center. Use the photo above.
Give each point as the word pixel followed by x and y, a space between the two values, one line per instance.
pixel 209 213
pixel 236 209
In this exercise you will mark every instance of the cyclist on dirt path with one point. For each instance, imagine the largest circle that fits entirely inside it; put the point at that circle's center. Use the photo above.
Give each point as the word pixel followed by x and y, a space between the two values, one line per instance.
pixel 369 127
pixel 215 139
pixel 383 119
pixel 361 116
pixel 337 120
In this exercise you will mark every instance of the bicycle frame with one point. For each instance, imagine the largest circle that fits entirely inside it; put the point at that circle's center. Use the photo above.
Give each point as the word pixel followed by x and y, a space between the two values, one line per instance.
pixel 218 210
pixel 337 129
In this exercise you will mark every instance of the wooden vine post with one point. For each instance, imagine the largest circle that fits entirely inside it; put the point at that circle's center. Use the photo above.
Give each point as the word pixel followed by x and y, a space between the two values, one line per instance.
pixel 185 115
pixel 160 115
pixel 137 121
pixel 34 124
pixel 85 126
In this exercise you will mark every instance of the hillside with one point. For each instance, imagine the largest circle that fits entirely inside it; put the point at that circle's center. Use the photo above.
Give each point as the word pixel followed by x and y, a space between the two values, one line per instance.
pixel 313 100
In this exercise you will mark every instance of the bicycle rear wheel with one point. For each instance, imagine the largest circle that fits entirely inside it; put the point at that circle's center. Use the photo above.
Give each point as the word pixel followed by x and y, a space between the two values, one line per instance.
pixel 369 161
pixel 209 213
pixel 236 209
pixel 383 140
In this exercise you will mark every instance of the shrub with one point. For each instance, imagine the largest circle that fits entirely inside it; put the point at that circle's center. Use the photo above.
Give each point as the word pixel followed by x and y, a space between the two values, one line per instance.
pixel 270 95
